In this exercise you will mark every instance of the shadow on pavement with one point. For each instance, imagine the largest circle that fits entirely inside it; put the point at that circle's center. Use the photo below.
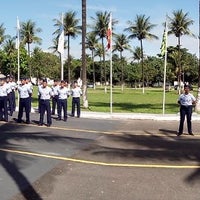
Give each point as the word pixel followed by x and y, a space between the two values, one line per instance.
pixel 12 163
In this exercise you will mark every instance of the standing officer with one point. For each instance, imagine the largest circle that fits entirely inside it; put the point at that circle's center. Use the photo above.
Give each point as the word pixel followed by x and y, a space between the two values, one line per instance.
pixel 29 84
pixel 12 102
pixel 55 88
pixel 63 93
pixel 186 100
pixel 24 103
pixel 45 94
pixel 76 92
pixel 4 90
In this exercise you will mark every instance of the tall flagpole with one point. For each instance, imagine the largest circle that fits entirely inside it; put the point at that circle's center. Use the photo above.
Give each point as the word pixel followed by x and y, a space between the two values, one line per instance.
pixel 61 55
pixel 165 66
pixel 109 35
pixel 18 58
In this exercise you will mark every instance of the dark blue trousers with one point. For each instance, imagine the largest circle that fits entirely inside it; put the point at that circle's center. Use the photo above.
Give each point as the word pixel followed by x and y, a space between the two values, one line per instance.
pixel 3 108
pixel 54 104
pixel 62 105
pixel 185 111
pixel 76 103
pixel 45 107
pixel 24 104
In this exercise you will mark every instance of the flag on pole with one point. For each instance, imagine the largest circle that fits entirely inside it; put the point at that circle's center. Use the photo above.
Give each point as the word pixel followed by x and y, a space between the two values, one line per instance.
pixel 61 41
pixel 164 42
pixel 109 33
pixel 17 35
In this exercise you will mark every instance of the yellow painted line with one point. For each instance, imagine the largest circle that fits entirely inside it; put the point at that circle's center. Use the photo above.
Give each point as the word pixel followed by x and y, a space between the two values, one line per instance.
pixel 102 163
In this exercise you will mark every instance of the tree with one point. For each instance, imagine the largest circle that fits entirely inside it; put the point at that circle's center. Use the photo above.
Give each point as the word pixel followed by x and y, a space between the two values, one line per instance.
pixel 28 35
pixel 140 29
pixel 137 54
pixel 2 33
pixel 121 43
pixel 9 48
pixel 84 69
pixel 71 29
pixel 91 43
pixel 100 28
pixel 179 25
pixel 99 52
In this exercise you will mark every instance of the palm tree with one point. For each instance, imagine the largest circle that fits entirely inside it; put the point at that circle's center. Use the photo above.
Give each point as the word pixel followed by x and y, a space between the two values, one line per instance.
pixel 84 69
pixel 28 36
pixel 91 43
pixel 54 47
pixel 179 25
pixel 2 33
pixel 99 52
pixel 71 29
pixel 121 43
pixel 100 28
pixel 28 33
pixel 9 48
pixel 140 29
pixel 137 54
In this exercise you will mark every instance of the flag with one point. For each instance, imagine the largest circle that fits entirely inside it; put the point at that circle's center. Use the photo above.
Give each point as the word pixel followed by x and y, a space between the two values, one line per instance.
pixel 17 35
pixel 109 33
pixel 61 41
pixel 164 42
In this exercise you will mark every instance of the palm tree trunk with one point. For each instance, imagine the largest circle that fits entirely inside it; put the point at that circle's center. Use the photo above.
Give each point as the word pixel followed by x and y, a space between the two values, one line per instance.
pixel 197 107
pixel 142 62
pixel 179 66
pixel 122 69
pixel 104 65
pixel 68 59
pixel 29 53
pixel 93 69
pixel 84 71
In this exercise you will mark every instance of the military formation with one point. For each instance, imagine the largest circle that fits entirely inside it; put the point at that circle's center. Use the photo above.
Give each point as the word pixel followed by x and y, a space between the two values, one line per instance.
pixel 52 100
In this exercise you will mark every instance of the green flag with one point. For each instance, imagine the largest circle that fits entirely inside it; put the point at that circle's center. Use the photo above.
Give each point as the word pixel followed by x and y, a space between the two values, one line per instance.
pixel 164 43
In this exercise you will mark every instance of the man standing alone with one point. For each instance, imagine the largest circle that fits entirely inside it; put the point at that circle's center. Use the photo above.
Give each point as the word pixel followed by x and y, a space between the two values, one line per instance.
pixel 186 101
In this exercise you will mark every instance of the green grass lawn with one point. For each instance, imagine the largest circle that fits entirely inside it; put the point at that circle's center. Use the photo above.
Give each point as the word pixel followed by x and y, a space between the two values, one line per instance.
pixel 130 100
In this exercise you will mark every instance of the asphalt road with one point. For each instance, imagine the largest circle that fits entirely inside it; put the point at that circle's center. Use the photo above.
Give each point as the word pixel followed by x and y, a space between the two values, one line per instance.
pixel 98 159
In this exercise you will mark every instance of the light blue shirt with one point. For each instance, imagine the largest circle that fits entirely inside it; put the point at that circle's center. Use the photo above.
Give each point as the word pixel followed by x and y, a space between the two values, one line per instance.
pixel 55 89
pixel 76 92
pixel 45 93
pixel 63 92
pixel 24 91
pixel 186 99
pixel 4 90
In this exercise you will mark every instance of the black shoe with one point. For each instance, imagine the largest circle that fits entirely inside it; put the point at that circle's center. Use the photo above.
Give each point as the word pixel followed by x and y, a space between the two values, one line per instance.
pixel 48 125
pixel 178 134
pixel 40 124
pixel 58 119
pixel 28 122
pixel 191 134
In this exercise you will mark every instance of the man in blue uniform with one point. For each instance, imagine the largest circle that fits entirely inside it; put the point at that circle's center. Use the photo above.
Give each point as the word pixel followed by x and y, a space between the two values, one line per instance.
pixel 186 102
pixel 24 103
pixel 76 92
pixel 63 93
pixel 4 90
pixel 45 94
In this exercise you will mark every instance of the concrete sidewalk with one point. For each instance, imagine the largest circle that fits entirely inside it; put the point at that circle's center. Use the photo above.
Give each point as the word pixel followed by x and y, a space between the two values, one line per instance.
pixel 136 116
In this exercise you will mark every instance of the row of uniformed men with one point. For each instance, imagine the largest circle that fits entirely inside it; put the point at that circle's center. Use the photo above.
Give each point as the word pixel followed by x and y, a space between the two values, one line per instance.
pixel 59 93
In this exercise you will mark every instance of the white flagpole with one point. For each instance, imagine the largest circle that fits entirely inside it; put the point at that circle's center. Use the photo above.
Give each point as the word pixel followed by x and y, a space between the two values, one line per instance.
pixel 18 58
pixel 165 67
pixel 61 56
pixel 111 81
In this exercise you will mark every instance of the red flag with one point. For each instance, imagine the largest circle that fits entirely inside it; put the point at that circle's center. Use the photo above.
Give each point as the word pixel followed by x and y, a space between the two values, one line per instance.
pixel 109 33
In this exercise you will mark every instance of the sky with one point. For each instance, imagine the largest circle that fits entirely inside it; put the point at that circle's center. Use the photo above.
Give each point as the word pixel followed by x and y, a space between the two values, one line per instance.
pixel 42 12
